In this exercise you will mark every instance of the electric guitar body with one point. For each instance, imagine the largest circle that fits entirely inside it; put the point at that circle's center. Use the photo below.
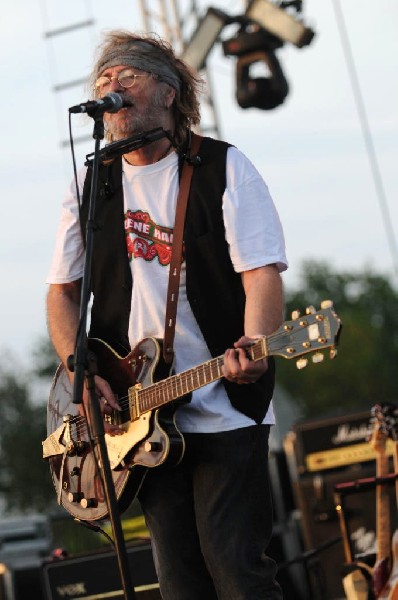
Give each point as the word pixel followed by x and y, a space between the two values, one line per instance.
pixel 154 441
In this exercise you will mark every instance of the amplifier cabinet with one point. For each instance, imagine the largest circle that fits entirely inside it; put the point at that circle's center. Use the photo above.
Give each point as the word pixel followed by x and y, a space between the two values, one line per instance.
pixel 96 575
pixel 320 455
pixel 321 527
pixel 335 443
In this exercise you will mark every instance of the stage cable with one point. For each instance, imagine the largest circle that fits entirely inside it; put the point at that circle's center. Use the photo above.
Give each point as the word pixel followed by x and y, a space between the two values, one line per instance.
pixel 370 148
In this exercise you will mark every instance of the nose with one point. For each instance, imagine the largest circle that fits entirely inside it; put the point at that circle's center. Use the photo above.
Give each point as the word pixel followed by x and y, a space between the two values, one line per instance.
pixel 114 85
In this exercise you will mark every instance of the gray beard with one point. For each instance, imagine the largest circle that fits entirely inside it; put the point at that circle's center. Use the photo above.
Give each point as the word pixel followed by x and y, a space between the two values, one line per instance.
pixel 132 123
pixel 131 126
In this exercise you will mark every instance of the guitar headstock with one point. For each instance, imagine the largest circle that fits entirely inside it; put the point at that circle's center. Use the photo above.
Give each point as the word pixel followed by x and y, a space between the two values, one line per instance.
pixel 378 439
pixel 389 419
pixel 305 334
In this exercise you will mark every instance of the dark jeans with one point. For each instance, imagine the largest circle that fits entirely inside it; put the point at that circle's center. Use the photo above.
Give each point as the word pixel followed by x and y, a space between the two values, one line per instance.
pixel 210 519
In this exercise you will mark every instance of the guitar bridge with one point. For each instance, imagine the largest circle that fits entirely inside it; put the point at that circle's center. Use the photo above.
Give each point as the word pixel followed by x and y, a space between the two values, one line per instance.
pixel 134 406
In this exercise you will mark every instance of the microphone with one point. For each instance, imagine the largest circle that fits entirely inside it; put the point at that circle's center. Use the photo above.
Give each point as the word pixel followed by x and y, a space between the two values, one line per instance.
pixel 111 103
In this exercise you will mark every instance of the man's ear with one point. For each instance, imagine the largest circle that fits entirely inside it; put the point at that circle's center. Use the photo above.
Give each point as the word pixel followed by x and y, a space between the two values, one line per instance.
pixel 169 97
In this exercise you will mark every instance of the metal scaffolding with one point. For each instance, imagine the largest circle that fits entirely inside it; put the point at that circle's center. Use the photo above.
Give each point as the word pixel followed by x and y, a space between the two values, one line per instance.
pixel 175 22
pixel 64 26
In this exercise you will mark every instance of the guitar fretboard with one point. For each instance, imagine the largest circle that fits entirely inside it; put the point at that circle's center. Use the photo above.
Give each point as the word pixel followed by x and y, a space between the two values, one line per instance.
pixel 179 385
pixel 176 386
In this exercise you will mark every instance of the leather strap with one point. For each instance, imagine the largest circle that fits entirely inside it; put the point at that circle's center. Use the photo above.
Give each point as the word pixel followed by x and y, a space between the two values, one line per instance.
pixel 176 253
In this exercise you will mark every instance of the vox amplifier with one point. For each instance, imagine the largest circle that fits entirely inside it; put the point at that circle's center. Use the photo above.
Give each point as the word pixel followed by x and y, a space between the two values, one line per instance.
pixel 96 575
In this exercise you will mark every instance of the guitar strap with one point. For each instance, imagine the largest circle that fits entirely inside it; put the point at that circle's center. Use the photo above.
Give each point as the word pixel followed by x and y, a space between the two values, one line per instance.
pixel 176 252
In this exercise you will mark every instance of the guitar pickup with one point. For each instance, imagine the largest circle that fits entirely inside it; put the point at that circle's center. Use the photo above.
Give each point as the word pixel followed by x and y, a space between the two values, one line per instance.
pixel 134 406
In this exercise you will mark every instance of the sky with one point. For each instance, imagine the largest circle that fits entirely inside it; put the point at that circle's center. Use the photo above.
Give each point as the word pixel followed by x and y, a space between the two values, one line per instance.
pixel 311 150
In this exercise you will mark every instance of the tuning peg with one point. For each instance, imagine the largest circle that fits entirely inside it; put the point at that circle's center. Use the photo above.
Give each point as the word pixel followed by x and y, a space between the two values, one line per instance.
pixel 310 310
pixel 317 357
pixel 296 315
pixel 301 363
pixel 326 304
pixel 333 353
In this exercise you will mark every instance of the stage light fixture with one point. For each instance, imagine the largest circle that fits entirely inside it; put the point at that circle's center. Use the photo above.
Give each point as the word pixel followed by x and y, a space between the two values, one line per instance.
pixel 279 22
pixel 204 38
pixel 265 93
pixel 264 28
pixel 245 42
pixel 257 47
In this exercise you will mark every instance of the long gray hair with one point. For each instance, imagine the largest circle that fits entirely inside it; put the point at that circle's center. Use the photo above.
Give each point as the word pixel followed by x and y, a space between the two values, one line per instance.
pixel 150 53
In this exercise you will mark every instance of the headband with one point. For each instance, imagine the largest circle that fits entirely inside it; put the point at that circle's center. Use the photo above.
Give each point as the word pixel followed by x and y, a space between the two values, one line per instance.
pixel 143 56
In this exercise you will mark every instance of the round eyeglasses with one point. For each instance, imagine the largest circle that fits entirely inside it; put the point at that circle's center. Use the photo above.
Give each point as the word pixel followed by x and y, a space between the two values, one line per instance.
pixel 126 78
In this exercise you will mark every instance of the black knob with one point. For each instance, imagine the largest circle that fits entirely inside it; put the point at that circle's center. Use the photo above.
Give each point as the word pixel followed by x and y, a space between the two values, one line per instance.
pixel 88 502
pixel 153 446
pixel 75 496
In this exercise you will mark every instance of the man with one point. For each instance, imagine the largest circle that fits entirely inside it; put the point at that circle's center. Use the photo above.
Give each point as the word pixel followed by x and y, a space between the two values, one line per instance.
pixel 210 517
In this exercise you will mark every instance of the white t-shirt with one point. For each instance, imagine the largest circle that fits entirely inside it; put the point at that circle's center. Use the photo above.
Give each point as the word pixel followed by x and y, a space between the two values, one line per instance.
pixel 255 238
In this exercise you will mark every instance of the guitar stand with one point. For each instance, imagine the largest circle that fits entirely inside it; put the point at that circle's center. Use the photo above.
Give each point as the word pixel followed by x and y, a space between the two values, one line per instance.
pixel 305 558
pixel 341 490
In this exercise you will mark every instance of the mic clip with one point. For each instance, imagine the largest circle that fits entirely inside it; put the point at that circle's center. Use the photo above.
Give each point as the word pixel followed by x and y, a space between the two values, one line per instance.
pixel 194 161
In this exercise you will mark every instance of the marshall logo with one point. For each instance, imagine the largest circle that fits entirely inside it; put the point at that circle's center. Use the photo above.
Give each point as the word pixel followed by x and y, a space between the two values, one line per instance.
pixel 347 434
pixel 333 443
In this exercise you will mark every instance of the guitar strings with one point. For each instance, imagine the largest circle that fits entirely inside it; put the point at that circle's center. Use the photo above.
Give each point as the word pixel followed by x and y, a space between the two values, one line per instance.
pixel 180 384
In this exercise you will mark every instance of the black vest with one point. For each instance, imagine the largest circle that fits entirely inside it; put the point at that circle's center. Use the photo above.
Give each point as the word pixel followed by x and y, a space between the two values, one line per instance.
pixel 215 292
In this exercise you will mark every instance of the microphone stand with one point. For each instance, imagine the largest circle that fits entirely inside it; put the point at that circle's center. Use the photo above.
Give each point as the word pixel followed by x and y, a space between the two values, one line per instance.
pixel 114 149
pixel 84 365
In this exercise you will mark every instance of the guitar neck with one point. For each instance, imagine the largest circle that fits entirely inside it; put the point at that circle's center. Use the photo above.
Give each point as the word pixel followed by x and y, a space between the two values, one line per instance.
pixel 382 510
pixel 302 335
pixel 396 470
pixel 176 386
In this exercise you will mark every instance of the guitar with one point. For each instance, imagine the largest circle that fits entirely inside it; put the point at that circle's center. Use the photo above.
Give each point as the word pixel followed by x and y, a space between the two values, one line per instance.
pixel 393 581
pixel 390 417
pixel 382 566
pixel 149 396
